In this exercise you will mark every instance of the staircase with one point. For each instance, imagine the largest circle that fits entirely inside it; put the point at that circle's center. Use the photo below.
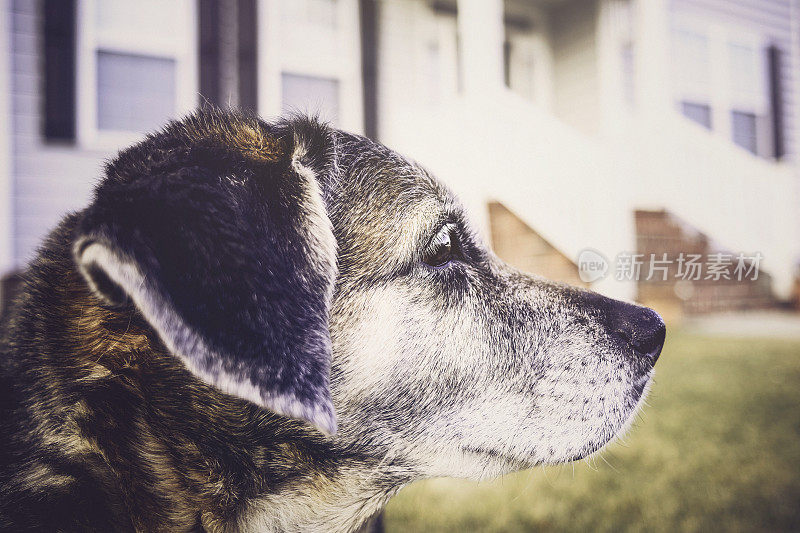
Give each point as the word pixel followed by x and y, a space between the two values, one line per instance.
pixel 659 233
pixel 520 246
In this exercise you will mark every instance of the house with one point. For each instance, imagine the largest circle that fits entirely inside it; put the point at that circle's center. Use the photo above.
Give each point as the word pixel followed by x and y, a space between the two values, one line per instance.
pixel 621 127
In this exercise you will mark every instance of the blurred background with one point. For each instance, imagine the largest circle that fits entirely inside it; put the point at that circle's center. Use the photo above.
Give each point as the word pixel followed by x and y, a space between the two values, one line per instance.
pixel 606 143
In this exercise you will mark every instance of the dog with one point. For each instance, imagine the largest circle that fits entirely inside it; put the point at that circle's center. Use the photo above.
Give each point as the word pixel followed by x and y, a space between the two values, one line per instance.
pixel 274 327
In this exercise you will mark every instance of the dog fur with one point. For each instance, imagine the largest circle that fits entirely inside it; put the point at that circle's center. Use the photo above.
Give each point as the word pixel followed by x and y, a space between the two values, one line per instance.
pixel 241 333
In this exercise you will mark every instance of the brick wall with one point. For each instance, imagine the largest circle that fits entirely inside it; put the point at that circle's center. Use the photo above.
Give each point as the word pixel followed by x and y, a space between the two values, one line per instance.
pixel 659 233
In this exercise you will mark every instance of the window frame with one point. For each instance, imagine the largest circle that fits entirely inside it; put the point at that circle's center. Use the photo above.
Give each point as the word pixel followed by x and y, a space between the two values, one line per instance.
pixel 436 47
pixel 90 40
pixel 528 62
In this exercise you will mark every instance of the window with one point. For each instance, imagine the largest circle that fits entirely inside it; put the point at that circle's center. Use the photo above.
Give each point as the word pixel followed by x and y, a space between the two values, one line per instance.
pixel 745 76
pixel 628 65
pixel 745 130
pixel 442 77
pixel 311 94
pixel 309 60
pixel 134 93
pixel 720 81
pixel 691 62
pixel 700 113
pixel 519 62
pixel 136 67
pixel 527 60
pixel 433 70
pixel 623 16
pixel 749 99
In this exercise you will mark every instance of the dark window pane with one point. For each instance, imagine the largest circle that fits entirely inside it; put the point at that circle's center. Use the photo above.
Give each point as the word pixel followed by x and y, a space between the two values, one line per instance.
pixel 744 130
pixel 774 62
pixel 700 113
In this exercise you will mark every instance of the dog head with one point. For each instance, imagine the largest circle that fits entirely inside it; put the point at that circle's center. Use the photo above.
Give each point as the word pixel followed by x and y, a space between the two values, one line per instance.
pixel 324 277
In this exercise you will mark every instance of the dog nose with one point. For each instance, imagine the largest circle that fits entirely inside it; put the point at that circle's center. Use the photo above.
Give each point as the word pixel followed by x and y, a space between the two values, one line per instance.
pixel 640 327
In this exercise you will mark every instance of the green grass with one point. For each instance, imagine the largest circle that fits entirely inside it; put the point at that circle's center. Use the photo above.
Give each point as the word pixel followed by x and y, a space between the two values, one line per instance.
pixel 718 449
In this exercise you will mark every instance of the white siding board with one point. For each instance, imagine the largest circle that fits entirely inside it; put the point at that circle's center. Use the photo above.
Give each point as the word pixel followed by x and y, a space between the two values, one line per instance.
pixel 49 179
pixel 24 104
pixel 23 22
pixel 26 84
pixel 6 180
pixel 32 188
pixel 59 165
pixel 46 207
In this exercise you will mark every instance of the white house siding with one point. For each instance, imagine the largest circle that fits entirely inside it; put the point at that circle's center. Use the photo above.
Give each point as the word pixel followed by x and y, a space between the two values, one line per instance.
pixel 49 179
pixel 576 90
pixel 773 20
pixel 6 235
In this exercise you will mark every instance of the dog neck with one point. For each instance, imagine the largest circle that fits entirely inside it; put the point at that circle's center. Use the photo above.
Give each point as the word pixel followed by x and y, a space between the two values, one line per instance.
pixel 342 504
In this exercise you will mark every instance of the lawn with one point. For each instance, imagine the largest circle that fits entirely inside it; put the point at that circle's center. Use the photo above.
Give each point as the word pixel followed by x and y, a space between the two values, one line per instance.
pixel 718 449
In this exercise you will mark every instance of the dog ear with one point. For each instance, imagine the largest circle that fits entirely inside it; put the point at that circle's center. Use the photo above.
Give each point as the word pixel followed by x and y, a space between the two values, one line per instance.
pixel 228 252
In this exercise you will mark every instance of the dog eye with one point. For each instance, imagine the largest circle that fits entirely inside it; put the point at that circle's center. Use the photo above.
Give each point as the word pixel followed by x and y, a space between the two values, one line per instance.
pixel 442 248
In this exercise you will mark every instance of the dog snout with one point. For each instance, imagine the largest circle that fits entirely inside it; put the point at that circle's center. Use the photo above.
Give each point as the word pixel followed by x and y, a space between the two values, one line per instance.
pixel 640 327
pixel 632 327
